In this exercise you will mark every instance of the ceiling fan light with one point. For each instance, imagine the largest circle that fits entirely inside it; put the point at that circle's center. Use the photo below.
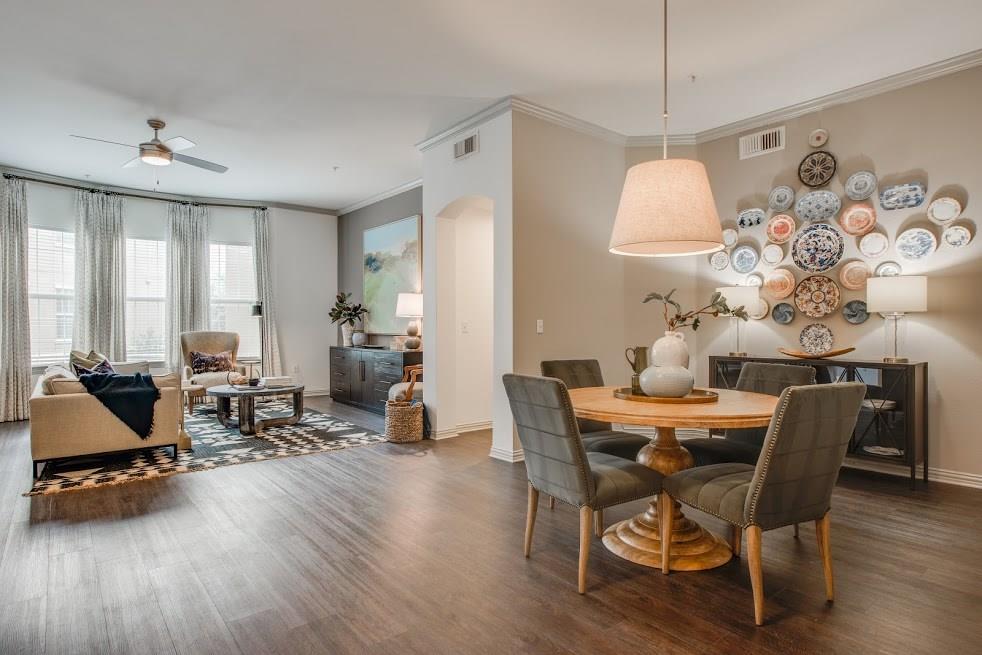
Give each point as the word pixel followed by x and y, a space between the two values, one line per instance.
pixel 155 157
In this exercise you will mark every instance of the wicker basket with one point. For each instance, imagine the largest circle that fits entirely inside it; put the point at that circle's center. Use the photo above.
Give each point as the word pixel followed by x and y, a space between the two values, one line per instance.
pixel 403 421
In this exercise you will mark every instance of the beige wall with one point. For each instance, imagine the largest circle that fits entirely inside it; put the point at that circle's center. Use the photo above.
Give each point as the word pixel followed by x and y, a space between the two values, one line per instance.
pixel 929 132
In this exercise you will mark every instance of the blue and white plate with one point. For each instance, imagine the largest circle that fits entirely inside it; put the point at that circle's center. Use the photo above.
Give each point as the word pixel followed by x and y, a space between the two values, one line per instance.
pixel 855 312
pixel 818 206
pixel 783 313
pixel 744 259
pixel 719 260
pixel 956 236
pixel 750 217
pixel 916 243
pixel 780 198
pixel 860 185
pixel 817 248
pixel 903 196
pixel 888 269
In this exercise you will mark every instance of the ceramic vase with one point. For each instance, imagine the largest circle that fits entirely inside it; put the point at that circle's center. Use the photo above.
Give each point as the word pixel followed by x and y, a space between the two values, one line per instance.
pixel 359 338
pixel 669 375
pixel 347 330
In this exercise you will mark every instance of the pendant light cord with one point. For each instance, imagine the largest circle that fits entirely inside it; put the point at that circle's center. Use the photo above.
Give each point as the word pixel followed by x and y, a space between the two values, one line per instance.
pixel 664 134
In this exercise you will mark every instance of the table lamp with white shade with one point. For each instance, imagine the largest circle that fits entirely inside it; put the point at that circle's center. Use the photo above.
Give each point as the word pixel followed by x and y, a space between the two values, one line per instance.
pixel 747 297
pixel 894 297
pixel 410 305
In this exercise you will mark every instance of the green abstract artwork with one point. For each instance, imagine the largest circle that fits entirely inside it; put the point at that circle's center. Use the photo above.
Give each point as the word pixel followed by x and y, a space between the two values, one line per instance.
pixel 392 265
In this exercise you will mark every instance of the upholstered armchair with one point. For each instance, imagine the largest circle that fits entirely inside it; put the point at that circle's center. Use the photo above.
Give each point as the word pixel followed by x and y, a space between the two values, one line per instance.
pixel 211 343
pixel 791 482
pixel 558 464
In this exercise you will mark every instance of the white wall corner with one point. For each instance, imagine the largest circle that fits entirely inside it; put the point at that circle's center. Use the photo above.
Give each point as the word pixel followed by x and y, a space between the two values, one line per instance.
pixel 436 435
pixel 505 455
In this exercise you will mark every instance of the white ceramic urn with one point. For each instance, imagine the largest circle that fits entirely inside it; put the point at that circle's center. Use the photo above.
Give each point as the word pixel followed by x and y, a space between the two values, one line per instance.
pixel 669 375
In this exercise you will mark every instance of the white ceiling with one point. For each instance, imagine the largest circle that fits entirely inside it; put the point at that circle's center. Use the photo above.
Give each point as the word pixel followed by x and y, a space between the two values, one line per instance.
pixel 284 91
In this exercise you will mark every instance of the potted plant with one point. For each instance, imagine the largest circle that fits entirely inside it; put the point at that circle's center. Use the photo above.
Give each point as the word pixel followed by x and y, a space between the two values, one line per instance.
pixel 347 314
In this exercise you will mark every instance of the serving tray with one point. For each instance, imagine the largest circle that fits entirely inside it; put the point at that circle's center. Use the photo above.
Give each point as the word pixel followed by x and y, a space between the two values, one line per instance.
pixel 801 354
pixel 695 396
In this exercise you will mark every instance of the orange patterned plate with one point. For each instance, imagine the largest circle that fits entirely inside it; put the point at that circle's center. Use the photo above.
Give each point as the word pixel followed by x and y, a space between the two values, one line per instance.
pixel 779 283
pixel 858 219
pixel 780 228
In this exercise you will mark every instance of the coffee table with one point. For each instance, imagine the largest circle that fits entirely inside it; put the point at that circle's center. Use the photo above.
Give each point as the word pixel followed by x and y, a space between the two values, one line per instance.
pixel 247 422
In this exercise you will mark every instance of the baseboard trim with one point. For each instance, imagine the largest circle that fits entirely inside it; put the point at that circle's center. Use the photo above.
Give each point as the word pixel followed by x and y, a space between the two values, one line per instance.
pixel 311 393
pixel 510 456
pixel 444 434
pixel 944 476
pixel 473 427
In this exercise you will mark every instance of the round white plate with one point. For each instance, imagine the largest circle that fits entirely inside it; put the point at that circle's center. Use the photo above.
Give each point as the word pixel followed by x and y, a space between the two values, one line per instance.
pixel 916 243
pixel 763 309
pixel 772 254
pixel 860 185
pixel 888 269
pixel 853 275
pixel 944 210
pixel 818 138
pixel 754 280
pixel 780 198
pixel 874 244
pixel 956 236
pixel 744 259
pixel 730 237
pixel 719 260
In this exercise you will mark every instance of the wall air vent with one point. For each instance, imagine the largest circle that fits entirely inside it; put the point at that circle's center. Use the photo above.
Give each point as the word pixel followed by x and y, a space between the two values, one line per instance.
pixel 464 147
pixel 761 143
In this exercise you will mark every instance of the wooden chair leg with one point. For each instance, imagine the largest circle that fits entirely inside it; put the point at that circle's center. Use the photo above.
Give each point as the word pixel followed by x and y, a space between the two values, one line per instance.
pixel 598 522
pixel 552 502
pixel 530 517
pixel 795 530
pixel 665 529
pixel 736 538
pixel 822 532
pixel 586 524
pixel 756 573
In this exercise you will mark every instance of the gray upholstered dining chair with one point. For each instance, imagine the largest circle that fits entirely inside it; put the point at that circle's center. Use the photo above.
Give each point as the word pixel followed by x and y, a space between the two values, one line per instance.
pixel 791 482
pixel 557 463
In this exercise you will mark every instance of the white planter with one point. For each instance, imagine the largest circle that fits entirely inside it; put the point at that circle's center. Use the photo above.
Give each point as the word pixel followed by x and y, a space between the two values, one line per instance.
pixel 669 375
pixel 670 350
pixel 346 332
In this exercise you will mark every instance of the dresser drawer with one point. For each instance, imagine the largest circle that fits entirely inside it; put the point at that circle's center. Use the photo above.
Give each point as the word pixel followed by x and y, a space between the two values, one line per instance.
pixel 340 356
pixel 340 390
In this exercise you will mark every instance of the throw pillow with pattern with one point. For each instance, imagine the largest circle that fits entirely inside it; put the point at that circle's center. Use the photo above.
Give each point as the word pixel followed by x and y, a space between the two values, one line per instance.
pixel 102 367
pixel 207 363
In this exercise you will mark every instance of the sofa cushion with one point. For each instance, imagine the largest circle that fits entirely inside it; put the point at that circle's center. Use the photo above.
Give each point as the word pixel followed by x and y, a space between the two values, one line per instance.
pixel 54 372
pixel 129 368
pixel 63 386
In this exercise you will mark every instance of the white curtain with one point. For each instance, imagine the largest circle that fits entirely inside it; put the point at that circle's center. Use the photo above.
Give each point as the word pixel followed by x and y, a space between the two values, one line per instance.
pixel 187 275
pixel 269 349
pixel 15 325
pixel 100 274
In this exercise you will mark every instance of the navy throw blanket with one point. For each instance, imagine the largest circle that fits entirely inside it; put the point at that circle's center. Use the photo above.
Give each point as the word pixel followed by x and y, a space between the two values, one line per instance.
pixel 129 397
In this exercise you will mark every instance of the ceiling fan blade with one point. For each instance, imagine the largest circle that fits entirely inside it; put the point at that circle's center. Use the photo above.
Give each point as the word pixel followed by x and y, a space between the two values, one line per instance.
pixel 179 143
pixel 132 163
pixel 115 143
pixel 200 163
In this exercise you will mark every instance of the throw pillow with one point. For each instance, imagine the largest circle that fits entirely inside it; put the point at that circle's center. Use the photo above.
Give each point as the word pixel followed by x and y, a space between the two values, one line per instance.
pixel 52 373
pixel 206 363
pixel 79 360
pixel 102 367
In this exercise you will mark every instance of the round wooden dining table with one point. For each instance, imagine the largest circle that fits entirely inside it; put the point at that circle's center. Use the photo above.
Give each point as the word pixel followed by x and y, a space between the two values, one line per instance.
pixel 638 539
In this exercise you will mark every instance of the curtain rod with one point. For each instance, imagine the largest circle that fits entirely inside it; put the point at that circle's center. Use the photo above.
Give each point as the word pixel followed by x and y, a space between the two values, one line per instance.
pixel 27 178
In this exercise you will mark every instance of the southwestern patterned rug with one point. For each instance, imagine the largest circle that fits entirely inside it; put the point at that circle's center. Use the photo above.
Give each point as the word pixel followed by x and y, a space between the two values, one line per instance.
pixel 213 446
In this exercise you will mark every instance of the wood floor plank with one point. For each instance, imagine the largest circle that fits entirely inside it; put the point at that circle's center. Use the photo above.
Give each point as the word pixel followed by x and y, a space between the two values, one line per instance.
pixel 75 620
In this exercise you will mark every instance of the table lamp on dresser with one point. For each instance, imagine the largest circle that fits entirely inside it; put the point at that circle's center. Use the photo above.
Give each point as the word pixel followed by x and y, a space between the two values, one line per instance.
pixel 747 297
pixel 893 297
pixel 410 305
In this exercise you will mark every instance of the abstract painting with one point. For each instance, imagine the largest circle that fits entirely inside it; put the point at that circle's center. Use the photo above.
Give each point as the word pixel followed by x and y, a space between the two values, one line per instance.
pixel 392 265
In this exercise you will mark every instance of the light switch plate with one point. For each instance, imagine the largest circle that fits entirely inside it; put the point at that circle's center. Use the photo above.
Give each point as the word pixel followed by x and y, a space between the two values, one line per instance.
pixel 539 326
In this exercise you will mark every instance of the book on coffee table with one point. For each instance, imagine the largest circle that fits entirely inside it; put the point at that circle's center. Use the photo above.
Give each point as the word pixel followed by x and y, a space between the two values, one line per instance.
pixel 278 381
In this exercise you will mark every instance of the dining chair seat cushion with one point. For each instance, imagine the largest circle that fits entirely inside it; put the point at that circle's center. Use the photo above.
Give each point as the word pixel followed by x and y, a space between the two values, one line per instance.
pixel 614 442
pixel 706 451
pixel 619 480
pixel 718 489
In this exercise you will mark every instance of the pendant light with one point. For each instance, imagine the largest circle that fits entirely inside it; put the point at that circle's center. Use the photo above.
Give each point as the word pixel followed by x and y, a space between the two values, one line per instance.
pixel 667 207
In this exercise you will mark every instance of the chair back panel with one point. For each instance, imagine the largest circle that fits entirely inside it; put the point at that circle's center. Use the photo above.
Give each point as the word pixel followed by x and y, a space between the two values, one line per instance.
pixel 576 374
pixel 554 457
pixel 210 343
pixel 771 379
pixel 803 451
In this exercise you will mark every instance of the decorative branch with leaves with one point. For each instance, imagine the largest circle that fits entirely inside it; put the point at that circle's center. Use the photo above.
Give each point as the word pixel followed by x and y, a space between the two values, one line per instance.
pixel 717 307
pixel 345 312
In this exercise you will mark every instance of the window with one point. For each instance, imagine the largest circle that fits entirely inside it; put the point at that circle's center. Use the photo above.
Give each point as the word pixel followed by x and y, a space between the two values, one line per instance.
pixel 51 293
pixel 146 275
pixel 233 291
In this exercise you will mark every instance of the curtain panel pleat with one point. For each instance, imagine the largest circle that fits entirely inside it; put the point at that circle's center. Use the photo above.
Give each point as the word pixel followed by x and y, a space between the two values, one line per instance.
pixel 100 275
pixel 15 325
pixel 269 349
pixel 187 304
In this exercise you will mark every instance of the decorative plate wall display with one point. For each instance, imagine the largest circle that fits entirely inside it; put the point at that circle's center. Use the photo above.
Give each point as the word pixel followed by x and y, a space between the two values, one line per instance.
pixel 817 168
pixel 860 185
pixel 874 245
pixel 903 196
pixel 916 243
pixel 817 206
pixel 761 311
pixel 817 248
pixel 818 138
pixel 783 313
pixel 780 198
pixel 779 283
pixel 956 236
pixel 858 219
pixel 750 217
pixel 754 280
pixel 730 237
pixel 816 296
pixel 780 228
pixel 744 259
pixel 719 260
pixel 772 254
pixel 888 269
pixel 855 312
pixel 816 339
pixel 944 210
pixel 853 275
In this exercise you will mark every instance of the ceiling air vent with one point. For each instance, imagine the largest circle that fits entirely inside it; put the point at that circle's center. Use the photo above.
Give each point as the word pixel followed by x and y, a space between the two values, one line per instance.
pixel 761 143
pixel 464 147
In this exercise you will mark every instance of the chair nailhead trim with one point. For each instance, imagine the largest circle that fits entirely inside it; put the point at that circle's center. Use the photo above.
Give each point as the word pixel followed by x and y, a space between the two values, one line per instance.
pixel 769 454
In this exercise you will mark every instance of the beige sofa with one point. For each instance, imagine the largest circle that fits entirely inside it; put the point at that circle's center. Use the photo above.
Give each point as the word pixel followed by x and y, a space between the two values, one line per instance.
pixel 66 421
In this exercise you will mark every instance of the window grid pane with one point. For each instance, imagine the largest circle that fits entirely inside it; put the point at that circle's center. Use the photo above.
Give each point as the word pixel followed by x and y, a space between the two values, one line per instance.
pixel 146 279
pixel 233 291
pixel 51 293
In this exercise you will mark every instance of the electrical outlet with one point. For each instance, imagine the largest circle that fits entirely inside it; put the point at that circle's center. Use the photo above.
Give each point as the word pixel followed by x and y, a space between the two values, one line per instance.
pixel 465 327
pixel 539 326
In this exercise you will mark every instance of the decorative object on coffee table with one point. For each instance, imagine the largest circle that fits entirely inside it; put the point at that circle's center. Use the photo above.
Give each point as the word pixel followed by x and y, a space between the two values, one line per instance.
pixel 894 297
pixel 410 305
pixel 347 314
pixel 246 397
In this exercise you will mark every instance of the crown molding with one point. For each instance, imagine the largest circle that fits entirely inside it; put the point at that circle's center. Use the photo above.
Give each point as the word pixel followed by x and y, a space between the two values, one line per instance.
pixel 497 109
pixel 567 121
pixel 656 140
pixel 378 197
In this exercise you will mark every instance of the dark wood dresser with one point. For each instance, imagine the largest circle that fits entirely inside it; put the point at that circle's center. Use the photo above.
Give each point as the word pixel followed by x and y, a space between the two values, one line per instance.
pixel 362 376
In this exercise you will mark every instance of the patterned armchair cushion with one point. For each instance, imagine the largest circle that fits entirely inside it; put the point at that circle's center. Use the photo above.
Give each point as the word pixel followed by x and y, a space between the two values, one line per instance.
pixel 207 363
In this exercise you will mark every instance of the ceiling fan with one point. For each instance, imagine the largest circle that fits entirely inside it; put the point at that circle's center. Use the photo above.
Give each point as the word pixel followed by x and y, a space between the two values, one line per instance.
pixel 162 153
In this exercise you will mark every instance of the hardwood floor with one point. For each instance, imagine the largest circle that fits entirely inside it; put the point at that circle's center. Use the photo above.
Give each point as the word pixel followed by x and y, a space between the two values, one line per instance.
pixel 418 549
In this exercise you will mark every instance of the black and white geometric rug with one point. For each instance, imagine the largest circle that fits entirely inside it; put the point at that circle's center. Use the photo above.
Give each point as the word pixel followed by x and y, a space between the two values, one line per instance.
pixel 213 445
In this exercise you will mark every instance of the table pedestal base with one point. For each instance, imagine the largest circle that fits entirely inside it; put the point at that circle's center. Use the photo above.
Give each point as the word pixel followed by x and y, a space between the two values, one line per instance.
pixel 638 539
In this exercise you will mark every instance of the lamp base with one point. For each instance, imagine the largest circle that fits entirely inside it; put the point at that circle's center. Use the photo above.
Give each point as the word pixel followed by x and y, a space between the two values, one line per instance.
pixel 413 343
pixel 741 354
pixel 895 360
